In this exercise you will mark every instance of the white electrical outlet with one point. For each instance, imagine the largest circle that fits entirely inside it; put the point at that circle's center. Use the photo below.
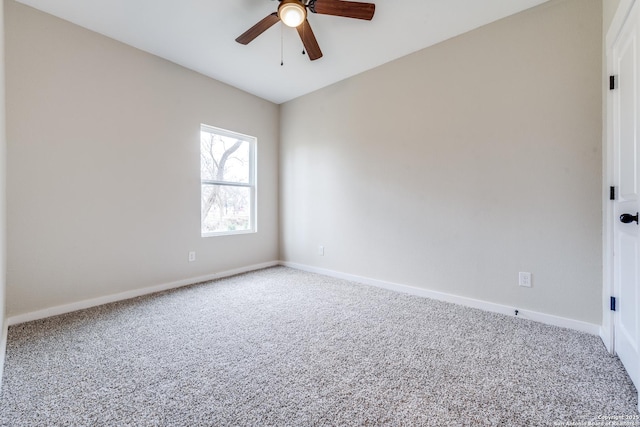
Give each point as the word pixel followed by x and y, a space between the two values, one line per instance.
pixel 524 279
pixel 192 256
pixel 321 250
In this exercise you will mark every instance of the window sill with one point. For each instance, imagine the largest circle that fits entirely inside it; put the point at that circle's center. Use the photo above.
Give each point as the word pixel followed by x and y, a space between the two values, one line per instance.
pixel 227 233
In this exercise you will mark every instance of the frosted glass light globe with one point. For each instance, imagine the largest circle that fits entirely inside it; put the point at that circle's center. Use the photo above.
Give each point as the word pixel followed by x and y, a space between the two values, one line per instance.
pixel 292 14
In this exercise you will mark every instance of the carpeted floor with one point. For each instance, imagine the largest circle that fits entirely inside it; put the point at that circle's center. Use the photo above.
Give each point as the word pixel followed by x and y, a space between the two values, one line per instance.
pixel 281 347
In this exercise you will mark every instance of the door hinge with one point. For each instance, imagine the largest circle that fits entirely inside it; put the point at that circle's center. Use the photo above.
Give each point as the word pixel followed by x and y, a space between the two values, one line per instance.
pixel 612 193
pixel 612 82
pixel 612 304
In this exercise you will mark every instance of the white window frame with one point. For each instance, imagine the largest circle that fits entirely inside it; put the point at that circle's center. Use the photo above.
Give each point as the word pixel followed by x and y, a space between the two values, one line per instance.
pixel 253 221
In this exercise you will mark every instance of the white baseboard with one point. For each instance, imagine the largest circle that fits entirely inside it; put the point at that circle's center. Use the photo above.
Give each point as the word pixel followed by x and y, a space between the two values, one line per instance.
pixel 548 319
pixel 80 305
pixel 412 290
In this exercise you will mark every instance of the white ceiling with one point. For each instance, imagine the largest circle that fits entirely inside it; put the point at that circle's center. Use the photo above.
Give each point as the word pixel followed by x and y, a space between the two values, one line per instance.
pixel 200 35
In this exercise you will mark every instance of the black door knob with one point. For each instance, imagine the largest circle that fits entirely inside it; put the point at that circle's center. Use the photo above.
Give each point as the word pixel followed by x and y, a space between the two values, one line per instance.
pixel 627 218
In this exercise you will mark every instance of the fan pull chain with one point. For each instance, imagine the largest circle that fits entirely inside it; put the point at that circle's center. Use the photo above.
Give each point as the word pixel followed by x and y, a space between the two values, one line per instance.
pixel 281 44
pixel 303 39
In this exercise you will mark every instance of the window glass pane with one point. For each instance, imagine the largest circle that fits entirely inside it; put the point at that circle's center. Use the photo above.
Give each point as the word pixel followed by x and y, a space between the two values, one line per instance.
pixel 225 208
pixel 223 158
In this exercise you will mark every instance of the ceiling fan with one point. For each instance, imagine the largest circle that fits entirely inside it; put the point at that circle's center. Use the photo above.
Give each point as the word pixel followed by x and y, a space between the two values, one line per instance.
pixel 293 13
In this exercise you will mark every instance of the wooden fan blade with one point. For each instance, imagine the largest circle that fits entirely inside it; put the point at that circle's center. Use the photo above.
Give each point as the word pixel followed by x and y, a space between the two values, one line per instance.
pixel 258 29
pixel 309 41
pixel 348 9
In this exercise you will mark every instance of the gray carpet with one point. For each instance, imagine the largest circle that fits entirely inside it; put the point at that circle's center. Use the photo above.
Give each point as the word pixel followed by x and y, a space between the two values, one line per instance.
pixel 281 347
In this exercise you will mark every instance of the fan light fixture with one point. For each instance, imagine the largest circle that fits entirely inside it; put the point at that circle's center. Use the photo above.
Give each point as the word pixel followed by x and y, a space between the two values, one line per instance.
pixel 292 13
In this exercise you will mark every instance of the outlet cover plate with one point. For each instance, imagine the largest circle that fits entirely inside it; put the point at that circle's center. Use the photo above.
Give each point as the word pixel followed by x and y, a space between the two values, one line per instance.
pixel 524 279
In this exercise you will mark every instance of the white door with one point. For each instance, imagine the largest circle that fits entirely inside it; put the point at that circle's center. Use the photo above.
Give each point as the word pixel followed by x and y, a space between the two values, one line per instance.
pixel 626 244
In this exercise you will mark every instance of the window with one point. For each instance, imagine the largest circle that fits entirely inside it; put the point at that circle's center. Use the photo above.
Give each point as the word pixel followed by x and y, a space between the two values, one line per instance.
pixel 227 175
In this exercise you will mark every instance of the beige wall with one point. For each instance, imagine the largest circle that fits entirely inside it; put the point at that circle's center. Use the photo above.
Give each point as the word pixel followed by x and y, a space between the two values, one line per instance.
pixel 456 167
pixel 3 176
pixel 103 174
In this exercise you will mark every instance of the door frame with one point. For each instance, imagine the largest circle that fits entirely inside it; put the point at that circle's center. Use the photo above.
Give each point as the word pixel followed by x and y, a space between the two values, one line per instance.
pixel 607 330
